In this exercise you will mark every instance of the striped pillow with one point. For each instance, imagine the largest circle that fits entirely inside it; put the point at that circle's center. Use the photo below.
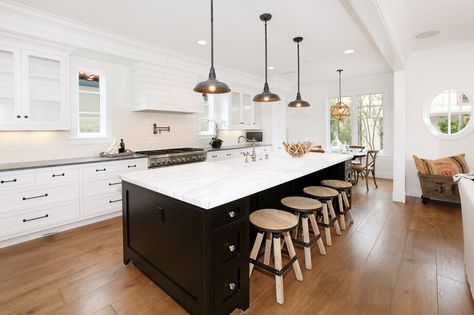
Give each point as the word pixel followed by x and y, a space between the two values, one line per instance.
pixel 449 166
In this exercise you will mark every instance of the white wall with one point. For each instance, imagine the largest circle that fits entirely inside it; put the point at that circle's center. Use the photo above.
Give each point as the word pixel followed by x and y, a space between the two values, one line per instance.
pixel 427 74
pixel 313 123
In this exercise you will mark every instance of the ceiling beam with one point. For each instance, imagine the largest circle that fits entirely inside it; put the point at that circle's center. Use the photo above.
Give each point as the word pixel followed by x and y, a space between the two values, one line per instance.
pixel 377 22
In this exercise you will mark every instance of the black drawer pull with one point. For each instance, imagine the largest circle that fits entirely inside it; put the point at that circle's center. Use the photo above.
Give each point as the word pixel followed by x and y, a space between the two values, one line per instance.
pixel 161 211
pixel 58 175
pixel 37 218
pixel 231 214
pixel 231 248
pixel 35 197
pixel 8 181
pixel 112 201
pixel 101 169
pixel 232 286
pixel 229 154
pixel 214 156
pixel 131 166
pixel 112 184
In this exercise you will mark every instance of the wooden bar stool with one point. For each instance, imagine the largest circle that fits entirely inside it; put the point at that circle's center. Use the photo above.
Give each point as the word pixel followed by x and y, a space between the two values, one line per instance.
pixel 326 195
pixel 305 209
pixel 276 223
pixel 343 188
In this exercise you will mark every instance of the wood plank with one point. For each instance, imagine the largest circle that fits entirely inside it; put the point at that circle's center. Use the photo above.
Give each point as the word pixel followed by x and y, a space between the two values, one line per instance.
pixel 454 297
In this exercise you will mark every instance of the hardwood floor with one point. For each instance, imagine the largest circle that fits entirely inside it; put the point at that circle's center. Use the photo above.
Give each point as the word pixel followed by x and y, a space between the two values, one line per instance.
pixel 395 259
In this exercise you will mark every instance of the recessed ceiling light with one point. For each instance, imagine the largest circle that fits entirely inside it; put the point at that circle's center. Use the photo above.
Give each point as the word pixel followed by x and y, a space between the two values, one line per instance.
pixel 349 51
pixel 426 34
pixel 271 68
pixel 202 42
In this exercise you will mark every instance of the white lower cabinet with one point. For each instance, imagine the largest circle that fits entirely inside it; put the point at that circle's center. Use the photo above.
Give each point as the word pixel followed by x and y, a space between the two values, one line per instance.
pixel 237 153
pixel 39 201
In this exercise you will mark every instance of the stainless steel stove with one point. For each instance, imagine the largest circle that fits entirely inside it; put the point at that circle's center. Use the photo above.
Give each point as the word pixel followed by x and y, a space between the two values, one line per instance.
pixel 167 157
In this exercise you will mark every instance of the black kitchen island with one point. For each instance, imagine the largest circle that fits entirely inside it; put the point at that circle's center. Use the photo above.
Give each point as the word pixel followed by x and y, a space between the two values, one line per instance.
pixel 196 246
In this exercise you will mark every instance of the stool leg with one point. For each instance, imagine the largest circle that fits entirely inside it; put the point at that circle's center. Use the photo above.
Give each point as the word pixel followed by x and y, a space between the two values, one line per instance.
pixel 327 230
pixel 333 215
pixel 314 224
pixel 291 251
pixel 280 295
pixel 348 206
pixel 296 228
pixel 341 210
pixel 268 249
pixel 254 253
pixel 307 250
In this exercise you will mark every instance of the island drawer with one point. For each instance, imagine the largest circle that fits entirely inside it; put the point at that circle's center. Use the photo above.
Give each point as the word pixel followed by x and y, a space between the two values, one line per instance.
pixel 231 243
pixel 229 287
pixel 230 212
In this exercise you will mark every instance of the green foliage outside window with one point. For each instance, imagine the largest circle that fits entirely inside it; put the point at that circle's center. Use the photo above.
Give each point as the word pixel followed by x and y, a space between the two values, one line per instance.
pixel 455 126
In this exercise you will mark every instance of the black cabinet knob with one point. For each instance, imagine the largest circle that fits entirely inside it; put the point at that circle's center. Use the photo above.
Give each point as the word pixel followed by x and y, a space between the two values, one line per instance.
pixel 26 116
pixel 18 116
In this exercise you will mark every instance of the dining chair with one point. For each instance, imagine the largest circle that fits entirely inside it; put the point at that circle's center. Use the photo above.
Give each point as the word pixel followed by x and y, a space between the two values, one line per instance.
pixel 368 168
pixel 359 148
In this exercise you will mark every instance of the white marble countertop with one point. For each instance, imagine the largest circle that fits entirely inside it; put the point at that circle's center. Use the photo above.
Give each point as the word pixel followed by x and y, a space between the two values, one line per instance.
pixel 211 184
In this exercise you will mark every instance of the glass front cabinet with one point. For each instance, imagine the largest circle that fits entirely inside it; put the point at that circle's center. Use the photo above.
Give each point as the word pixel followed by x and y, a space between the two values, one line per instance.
pixel 236 110
pixel 33 90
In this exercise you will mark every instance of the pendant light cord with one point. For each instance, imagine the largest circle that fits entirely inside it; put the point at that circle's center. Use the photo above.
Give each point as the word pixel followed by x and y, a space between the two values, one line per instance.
pixel 340 97
pixel 298 52
pixel 266 54
pixel 212 34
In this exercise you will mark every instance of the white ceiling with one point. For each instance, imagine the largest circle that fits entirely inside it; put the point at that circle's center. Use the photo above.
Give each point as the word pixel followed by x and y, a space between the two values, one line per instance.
pixel 327 27
pixel 453 18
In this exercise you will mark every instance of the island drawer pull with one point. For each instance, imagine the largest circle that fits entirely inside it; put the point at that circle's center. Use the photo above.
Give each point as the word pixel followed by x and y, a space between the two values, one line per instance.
pixel 231 248
pixel 8 181
pixel 231 214
pixel 131 166
pixel 113 201
pixel 58 175
pixel 112 184
pixel 101 169
pixel 232 286
pixel 35 197
pixel 37 218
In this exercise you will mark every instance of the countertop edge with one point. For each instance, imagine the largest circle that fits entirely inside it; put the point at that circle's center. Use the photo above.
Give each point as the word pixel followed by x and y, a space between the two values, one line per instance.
pixel 22 166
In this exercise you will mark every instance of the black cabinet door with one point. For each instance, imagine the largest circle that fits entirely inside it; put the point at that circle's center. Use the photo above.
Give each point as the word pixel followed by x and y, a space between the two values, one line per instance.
pixel 169 236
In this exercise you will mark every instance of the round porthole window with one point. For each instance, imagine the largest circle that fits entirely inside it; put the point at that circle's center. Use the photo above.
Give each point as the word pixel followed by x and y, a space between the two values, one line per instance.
pixel 448 114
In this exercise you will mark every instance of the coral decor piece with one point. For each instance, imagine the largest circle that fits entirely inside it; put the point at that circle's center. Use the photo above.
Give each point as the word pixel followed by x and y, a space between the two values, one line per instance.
pixel 297 149
pixel 340 111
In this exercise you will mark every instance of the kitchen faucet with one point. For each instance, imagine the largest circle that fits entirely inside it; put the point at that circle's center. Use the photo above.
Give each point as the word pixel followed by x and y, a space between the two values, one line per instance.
pixel 238 140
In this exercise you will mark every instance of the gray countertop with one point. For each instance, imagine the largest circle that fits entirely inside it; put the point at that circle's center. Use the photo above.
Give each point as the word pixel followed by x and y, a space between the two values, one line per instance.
pixel 64 162
pixel 236 146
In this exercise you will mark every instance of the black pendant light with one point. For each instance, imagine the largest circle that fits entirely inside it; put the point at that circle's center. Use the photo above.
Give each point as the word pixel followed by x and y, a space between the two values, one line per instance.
pixel 266 96
pixel 298 102
pixel 212 85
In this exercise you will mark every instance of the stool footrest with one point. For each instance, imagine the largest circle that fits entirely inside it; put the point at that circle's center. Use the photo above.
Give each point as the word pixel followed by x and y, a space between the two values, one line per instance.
pixel 331 223
pixel 300 243
pixel 260 265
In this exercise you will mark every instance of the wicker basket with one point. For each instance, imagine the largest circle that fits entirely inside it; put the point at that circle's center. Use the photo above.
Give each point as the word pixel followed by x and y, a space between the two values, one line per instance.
pixel 438 187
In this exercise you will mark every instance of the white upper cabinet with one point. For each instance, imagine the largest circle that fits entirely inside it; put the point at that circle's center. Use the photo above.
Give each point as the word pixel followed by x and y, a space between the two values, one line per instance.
pixel 10 81
pixel 236 110
pixel 161 88
pixel 33 90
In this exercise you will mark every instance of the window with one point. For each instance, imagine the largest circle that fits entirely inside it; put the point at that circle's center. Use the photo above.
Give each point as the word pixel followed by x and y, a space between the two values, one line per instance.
pixel 448 113
pixel 370 121
pixel 365 125
pixel 206 121
pixel 341 129
pixel 92 106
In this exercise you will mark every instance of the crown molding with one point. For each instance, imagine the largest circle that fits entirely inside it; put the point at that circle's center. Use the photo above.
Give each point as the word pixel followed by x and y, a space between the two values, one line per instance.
pixel 442 49
pixel 30 23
